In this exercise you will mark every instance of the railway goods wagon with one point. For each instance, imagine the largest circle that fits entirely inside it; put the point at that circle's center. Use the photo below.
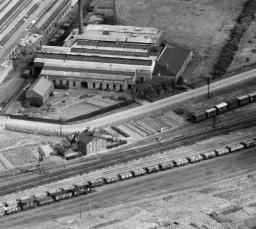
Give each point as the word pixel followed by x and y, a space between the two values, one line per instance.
pixel 97 182
pixel 60 194
pixel 235 147
pixel 139 172
pixel 208 155
pixel 2 211
pixel 233 103
pixel 125 176
pixel 167 165
pixel 252 96
pixel 112 179
pixel 211 112
pixel 199 116
pixel 221 108
pixel 81 189
pixel 222 151
pixel 195 158
pixel 243 100
pixel 11 208
pixel 152 169
pixel 180 162
pixel 247 143
pixel 44 199
pixel 27 203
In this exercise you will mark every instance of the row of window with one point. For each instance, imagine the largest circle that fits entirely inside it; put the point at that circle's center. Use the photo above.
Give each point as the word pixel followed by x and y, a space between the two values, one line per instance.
pixel 85 85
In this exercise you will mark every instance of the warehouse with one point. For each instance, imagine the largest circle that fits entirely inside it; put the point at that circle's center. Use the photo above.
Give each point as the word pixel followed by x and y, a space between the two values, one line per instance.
pixel 39 92
pixel 173 61
pixel 103 57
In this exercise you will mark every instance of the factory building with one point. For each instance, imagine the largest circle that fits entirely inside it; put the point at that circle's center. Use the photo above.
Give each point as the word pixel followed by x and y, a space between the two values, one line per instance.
pixel 103 57
pixel 39 92
pixel 172 61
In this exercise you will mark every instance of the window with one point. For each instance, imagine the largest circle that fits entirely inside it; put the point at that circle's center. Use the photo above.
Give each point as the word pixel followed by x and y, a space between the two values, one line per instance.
pixel 114 87
pixel 74 83
pixel 93 85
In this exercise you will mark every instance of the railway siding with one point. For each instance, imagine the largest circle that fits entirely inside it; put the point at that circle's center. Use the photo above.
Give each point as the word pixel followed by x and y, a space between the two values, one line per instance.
pixel 150 164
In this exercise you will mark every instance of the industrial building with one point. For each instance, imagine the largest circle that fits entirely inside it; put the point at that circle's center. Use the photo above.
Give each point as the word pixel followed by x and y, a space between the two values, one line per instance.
pixel 102 57
pixel 39 92
pixel 172 61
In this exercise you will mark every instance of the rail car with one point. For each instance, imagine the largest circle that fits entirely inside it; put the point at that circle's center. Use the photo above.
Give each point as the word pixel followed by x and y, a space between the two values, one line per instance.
pixel 180 162
pixel 27 203
pixel 139 172
pixel 195 158
pixel 222 151
pixel 235 147
pixel 221 108
pixel 248 143
pixel 167 165
pixel 208 155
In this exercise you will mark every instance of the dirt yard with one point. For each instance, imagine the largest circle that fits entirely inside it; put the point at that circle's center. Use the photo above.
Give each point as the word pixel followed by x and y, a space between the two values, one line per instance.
pixel 246 53
pixel 66 104
pixel 200 25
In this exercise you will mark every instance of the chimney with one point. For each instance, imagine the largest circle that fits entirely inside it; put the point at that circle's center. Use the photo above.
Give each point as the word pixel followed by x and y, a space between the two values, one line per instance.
pixel 80 16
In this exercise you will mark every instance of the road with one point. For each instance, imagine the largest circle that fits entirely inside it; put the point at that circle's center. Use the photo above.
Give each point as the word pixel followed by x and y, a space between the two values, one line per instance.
pixel 121 157
pixel 138 111
pixel 181 179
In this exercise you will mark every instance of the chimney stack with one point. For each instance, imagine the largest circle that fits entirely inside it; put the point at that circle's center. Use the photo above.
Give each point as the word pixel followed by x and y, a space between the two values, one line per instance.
pixel 80 16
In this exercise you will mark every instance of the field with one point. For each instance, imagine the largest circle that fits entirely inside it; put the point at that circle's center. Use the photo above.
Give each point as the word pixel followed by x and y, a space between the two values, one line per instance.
pixel 66 104
pixel 200 25
pixel 246 52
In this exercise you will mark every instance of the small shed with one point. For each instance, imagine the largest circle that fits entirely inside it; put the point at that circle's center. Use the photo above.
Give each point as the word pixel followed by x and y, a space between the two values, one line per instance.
pixel 173 61
pixel 85 139
pixel 39 92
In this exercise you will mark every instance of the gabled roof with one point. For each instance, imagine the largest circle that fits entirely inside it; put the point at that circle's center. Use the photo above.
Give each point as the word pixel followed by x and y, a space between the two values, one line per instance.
pixel 86 137
pixel 41 86
pixel 173 58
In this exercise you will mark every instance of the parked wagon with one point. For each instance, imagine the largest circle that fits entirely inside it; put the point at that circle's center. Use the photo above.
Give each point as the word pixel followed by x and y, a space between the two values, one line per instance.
pixel 180 162
pixel 233 103
pixel 139 172
pixel 112 179
pixel 243 100
pixel 167 165
pixel 2 210
pixel 11 208
pixel 80 189
pixel 252 96
pixel 44 199
pixel 247 143
pixel 208 155
pixel 222 151
pixel 199 116
pixel 125 176
pixel 195 158
pixel 235 147
pixel 97 182
pixel 221 108
pixel 27 203
pixel 211 112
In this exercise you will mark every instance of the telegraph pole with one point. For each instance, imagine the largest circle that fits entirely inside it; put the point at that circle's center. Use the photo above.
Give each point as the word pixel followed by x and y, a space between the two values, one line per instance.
pixel 208 87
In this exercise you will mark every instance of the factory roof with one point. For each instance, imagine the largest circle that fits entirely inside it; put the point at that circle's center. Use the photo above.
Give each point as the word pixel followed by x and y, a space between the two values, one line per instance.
pixel 93 58
pixel 116 33
pixel 173 58
pixel 92 65
pixel 40 86
pixel 30 39
pixel 86 75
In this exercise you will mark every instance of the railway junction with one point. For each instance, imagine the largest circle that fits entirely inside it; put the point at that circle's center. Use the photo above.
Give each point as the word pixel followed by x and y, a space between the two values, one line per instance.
pixel 186 160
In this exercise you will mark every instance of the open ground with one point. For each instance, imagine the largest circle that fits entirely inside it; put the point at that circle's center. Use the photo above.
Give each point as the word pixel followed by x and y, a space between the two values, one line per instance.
pixel 200 25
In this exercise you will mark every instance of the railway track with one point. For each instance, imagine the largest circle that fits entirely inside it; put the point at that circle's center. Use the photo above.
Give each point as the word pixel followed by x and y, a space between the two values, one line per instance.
pixel 125 156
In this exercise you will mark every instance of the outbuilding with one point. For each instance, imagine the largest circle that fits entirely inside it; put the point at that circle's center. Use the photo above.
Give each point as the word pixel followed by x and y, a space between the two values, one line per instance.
pixel 39 92
pixel 84 144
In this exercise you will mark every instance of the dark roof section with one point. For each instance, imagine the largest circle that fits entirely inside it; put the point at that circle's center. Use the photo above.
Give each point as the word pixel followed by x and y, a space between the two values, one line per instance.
pixel 86 137
pixel 109 52
pixel 113 60
pixel 98 71
pixel 172 58
pixel 114 44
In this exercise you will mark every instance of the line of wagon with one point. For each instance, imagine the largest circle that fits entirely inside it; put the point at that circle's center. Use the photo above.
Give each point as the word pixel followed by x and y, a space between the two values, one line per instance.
pixel 90 186
pixel 221 108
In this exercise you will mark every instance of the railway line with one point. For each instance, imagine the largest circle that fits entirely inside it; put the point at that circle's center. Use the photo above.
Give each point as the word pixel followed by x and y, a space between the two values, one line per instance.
pixel 168 182
pixel 125 156
pixel 136 165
